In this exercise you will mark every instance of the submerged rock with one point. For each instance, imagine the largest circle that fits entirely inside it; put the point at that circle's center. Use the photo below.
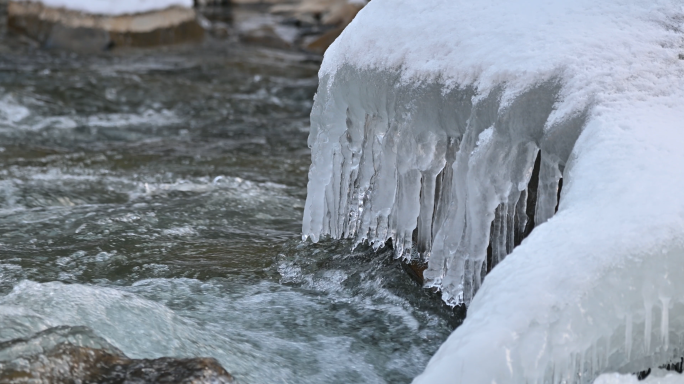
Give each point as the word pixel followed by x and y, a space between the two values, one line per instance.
pixel 75 354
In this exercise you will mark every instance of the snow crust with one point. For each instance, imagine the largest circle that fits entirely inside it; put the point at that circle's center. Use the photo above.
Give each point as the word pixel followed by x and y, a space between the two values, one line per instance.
pixel 114 7
pixel 425 130
pixel 615 378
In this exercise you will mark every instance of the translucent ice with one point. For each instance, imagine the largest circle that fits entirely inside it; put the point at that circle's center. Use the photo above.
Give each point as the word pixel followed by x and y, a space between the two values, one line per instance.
pixel 433 169
pixel 428 122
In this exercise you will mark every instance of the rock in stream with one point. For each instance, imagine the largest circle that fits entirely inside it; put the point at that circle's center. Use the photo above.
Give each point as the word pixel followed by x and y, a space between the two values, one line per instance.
pixel 76 355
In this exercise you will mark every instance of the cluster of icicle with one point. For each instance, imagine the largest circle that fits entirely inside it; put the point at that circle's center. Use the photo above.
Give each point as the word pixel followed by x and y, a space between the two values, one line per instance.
pixel 446 175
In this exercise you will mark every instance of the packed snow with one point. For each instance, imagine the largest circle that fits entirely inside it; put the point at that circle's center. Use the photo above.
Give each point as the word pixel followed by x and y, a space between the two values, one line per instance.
pixel 616 378
pixel 425 130
pixel 114 7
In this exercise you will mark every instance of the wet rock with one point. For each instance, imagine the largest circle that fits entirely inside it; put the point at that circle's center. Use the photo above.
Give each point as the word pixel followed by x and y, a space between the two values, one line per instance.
pixel 330 16
pixel 311 25
pixel 211 2
pixel 326 12
pixel 77 355
pixel 321 43
pixel 260 2
pixel 256 27
pixel 415 268
pixel 342 14
pixel 266 36
pixel 220 30
pixel 67 363
pixel 63 28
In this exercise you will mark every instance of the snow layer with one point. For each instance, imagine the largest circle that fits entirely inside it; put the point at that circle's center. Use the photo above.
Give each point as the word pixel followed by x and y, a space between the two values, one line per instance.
pixel 615 378
pixel 416 95
pixel 114 7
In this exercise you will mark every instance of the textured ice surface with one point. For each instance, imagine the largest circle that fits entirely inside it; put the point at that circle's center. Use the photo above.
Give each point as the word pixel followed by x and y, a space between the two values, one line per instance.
pixel 114 7
pixel 428 167
pixel 425 130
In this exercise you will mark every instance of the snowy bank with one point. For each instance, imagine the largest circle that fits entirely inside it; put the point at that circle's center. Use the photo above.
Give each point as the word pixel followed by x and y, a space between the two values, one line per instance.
pixel 425 130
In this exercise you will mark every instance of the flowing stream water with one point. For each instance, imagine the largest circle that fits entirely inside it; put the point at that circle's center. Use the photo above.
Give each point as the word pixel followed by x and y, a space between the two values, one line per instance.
pixel 156 198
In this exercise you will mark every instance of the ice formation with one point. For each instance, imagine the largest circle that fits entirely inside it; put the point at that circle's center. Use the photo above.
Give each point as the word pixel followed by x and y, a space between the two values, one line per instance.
pixel 113 7
pixel 435 170
pixel 427 124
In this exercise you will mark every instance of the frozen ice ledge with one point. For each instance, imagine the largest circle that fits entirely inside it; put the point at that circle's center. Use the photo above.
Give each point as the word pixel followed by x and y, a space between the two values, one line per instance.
pixel 442 173
pixel 448 128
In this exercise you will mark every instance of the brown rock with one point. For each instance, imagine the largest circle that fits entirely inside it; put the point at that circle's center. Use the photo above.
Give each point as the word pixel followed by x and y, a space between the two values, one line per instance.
pixel 68 364
pixel 63 28
pixel 309 24
pixel 341 14
pixel 415 269
pixel 321 44
pixel 52 357
pixel 337 13
pixel 266 36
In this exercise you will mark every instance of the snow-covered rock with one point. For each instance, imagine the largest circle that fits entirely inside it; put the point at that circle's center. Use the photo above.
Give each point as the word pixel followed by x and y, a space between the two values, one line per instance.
pixel 112 7
pixel 103 24
pixel 425 130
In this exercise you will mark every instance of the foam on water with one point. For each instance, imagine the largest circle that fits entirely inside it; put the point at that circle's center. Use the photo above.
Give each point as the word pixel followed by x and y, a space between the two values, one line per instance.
pixel 257 331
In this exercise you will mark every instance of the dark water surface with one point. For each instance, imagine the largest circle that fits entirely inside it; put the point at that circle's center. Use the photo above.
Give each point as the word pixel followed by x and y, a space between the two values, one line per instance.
pixel 155 197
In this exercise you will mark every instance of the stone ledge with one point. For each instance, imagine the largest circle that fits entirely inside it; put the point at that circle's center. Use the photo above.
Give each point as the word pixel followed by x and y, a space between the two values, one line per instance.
pixel 63 28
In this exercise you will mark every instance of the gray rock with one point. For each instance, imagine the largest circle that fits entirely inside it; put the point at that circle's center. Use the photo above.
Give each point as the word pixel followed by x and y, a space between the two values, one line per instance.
pixel 76 355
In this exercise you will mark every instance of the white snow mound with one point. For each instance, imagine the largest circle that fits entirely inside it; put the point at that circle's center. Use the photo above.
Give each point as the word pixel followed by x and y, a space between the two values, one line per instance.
pixel 425 130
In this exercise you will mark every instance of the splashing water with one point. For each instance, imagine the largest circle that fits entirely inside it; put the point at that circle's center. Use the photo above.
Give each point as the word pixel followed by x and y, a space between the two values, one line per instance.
pixel 156 198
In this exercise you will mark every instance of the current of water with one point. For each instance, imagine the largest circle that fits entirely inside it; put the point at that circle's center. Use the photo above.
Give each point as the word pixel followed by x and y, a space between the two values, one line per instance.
pixel 156 197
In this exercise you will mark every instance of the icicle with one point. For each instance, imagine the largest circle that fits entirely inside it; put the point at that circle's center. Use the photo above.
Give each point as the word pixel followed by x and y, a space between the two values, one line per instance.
pixel 510 222
pixel 664 323
pixel 555 374
pixel 570 374
pixel 547 193
pixel 648 325
pixel 628 336
pixel 606 360
pixel 443 175
pixel 594 360
pixel 521 218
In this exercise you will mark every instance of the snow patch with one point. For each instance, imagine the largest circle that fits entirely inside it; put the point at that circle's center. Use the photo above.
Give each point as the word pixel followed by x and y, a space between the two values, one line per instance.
pixel 616 378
